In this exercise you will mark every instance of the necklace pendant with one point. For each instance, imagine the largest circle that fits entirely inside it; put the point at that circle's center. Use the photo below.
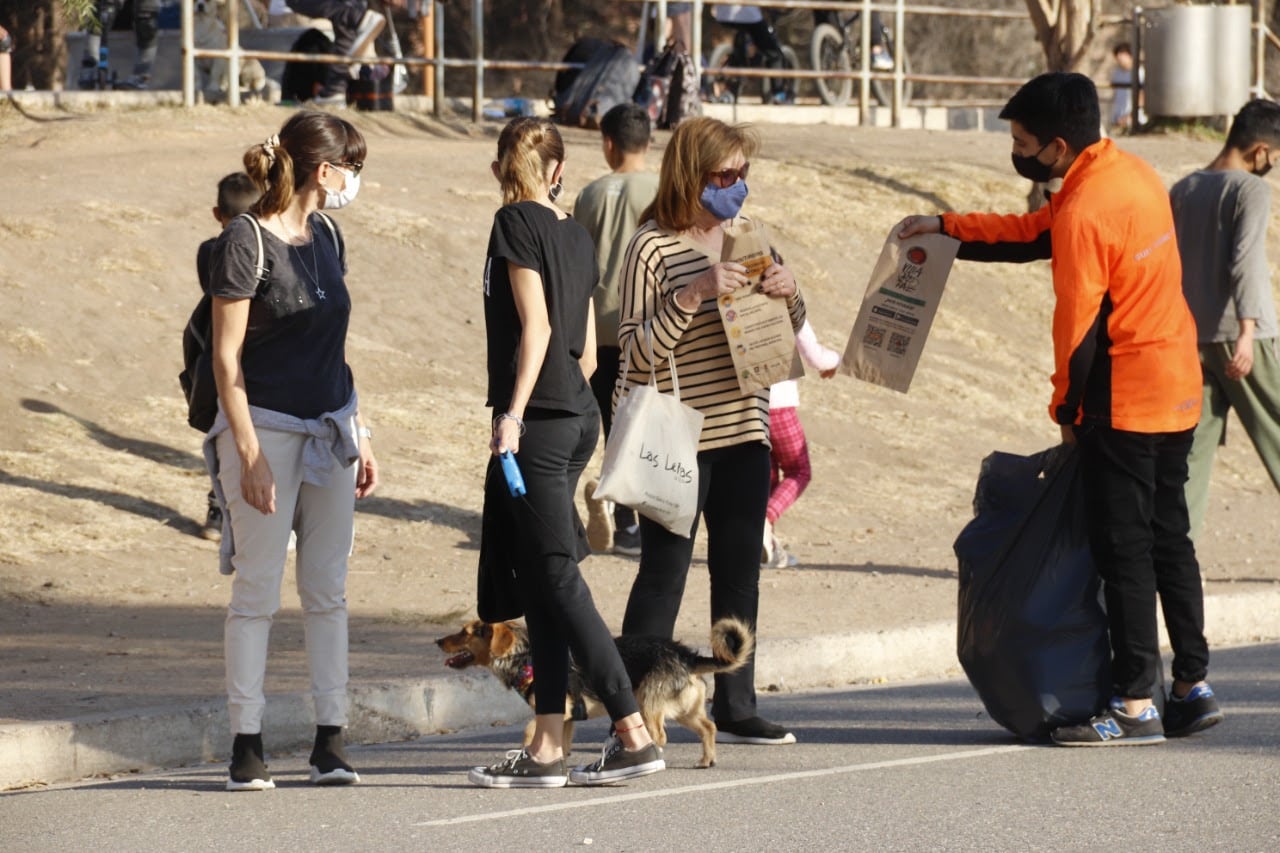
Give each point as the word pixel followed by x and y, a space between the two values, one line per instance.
pixel 320 294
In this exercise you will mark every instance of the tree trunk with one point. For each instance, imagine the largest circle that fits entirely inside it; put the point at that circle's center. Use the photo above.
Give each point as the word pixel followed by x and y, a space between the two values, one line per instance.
pixel 39 31
pixel 1064 29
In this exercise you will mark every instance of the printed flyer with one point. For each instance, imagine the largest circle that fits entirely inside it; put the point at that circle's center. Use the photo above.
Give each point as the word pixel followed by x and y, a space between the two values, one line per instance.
pixel 898 308
pixel 758 327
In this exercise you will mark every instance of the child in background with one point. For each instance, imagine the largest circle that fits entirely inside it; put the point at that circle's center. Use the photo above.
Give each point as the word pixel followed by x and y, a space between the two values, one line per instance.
pixel 236 194
pixel 790 454
pixel 609 208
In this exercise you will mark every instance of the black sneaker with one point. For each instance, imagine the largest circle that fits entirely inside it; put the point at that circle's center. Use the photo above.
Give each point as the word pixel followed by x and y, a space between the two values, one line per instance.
pixel 1195 712
pixel 520 771
pixel 626 541
pixel 212 529
pixel 1113 727
pixel 329 759
pixel 617 763
pixel 755 730
pixel 248 770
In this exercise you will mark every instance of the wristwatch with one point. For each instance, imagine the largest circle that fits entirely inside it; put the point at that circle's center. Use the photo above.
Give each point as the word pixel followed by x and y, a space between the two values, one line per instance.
pixel 364 432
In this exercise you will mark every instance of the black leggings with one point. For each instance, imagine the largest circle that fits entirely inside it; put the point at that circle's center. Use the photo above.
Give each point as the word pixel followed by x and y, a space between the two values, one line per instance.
pixel 733 491
pixel 561 615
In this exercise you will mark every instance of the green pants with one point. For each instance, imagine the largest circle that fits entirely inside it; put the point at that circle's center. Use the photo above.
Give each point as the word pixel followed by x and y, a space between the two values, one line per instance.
pixel 1256 399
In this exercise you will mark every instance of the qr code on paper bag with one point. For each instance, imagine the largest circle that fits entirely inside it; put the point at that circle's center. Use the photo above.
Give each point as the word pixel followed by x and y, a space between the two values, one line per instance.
pixel 898 343
pixel 874 336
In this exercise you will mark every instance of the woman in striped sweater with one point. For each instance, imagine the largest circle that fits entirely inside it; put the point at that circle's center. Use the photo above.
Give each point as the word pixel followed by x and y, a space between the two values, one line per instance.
pixel 671 280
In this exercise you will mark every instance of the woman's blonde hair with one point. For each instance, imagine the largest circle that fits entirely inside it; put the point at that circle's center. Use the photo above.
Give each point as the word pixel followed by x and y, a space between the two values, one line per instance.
pixel 697 148
pixel 281 165
pixel 526 149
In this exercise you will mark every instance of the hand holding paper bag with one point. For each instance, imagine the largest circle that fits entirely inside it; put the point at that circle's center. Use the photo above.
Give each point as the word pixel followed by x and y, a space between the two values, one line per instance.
pixel 898 308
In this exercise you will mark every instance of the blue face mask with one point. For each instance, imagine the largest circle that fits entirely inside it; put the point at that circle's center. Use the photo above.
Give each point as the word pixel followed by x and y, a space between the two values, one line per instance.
pixel 724 202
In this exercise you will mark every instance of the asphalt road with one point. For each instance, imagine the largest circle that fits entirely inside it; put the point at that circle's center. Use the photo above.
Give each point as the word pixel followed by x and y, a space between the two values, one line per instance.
pixel 915 767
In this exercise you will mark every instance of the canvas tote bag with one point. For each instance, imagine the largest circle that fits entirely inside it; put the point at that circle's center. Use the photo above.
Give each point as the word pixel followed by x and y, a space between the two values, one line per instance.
pixel 651 456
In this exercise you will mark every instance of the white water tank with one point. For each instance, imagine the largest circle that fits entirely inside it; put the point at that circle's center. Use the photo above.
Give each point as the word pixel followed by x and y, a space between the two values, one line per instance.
pixel 1197 60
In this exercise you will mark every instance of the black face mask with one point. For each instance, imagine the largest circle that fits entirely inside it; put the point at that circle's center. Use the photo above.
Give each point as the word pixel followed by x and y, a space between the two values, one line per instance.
pixel 1262 170
pixel 1031 168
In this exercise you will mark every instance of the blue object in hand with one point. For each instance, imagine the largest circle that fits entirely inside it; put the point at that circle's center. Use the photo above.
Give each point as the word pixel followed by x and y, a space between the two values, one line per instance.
pixel 515 482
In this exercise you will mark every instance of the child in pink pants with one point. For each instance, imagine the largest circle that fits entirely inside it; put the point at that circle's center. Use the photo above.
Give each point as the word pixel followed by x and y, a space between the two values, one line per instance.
pixel 791 472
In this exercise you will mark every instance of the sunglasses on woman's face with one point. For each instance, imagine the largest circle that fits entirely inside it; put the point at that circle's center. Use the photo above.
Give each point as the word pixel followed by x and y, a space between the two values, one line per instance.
pixel 353 168
pixel 729 177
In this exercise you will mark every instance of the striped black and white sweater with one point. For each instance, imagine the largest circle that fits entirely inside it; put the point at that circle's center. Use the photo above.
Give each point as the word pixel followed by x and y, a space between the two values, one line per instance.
pixel 659 265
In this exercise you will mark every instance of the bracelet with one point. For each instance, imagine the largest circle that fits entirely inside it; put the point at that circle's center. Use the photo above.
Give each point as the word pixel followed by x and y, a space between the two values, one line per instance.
pixel 507 416
pixel 942 226
pixel 619 731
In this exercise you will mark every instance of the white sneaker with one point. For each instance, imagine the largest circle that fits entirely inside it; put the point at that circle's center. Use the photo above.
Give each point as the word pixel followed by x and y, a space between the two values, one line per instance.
pixel 370 28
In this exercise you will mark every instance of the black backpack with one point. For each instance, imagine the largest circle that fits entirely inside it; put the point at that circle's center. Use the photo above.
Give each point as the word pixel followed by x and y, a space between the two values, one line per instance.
pixel 196 378
pixel 669 87
pixel 609 79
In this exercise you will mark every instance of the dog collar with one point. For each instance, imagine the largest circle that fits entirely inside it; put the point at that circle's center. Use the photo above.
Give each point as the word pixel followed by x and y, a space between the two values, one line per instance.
pixel 524 681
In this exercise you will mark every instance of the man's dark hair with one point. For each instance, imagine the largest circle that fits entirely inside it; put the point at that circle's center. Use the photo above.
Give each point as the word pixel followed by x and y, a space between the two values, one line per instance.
pixel 628 126
pixel 1058 104
pixel 1257 121
pixel 1122 47
pixel 236 194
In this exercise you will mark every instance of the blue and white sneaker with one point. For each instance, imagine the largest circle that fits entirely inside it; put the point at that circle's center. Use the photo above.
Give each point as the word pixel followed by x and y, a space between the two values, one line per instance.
pixel 1195 712
pixel 1113 727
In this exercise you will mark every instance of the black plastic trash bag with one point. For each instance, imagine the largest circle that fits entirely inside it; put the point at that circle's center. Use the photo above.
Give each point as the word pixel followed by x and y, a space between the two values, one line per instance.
pixel 1032 632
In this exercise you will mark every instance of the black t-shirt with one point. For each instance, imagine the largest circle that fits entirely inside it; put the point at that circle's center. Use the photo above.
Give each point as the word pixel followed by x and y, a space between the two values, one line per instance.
pixel 531 235
pixel 294 356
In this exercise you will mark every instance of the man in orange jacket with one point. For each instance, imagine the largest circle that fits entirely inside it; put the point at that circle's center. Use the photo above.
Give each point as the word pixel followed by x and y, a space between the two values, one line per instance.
pixel 1126 390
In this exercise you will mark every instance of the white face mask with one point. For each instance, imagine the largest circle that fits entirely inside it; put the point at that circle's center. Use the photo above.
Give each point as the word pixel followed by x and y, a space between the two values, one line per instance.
pixel 334 199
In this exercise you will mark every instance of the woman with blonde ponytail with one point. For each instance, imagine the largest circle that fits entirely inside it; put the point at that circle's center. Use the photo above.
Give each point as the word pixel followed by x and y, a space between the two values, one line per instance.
pixel 289 451
pixel 538 279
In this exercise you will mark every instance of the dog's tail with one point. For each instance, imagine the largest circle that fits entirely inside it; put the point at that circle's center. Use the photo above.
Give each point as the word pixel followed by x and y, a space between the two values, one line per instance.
pixel 731 646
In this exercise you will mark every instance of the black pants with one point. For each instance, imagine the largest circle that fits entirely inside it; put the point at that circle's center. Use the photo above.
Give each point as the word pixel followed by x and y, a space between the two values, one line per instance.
pixel 145 30
pixel 733 490
pixel 559 610
pixel 345 16
pixel 602 383
pixel 1138 532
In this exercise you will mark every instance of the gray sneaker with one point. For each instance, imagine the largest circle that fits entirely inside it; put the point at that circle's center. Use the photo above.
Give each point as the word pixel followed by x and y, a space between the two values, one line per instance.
pixel 617 763
pixel 519 770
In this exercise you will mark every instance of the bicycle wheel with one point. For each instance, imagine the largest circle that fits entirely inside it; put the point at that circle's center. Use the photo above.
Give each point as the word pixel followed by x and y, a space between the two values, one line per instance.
pixel 723 89
pixel 828 52
pixel 790 85
pixel 906 69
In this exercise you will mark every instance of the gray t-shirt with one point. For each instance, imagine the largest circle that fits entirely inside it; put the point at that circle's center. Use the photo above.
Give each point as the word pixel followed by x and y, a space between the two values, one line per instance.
pixel 1221 218
pixel 609 208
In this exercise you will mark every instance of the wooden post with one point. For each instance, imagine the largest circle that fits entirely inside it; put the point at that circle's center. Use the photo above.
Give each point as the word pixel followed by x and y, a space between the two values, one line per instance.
pixel 426 26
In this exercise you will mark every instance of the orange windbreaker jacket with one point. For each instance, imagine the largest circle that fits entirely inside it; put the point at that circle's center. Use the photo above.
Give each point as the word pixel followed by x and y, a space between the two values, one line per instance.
pixel 1124 341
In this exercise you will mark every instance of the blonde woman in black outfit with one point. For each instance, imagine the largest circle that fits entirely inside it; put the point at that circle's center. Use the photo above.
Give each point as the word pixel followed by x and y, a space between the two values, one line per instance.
pixel 538 279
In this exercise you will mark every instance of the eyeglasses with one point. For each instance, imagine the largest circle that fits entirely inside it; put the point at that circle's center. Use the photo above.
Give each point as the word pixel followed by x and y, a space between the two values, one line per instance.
pixel 353 167
pixel 729 177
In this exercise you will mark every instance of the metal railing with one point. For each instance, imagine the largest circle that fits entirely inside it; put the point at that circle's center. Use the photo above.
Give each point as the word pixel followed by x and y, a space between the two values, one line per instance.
pixel 235 54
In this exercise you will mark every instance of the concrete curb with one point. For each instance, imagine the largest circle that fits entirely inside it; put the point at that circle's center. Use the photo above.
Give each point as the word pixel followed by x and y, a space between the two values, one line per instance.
pixel 47 752
pixel 961 118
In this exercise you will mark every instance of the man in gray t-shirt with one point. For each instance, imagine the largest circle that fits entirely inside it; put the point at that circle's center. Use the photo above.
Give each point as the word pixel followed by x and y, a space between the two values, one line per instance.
pixel 1221 214
pixel 610 208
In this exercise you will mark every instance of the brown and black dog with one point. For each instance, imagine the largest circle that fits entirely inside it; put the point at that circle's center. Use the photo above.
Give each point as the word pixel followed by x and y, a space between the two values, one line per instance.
pixel 666 675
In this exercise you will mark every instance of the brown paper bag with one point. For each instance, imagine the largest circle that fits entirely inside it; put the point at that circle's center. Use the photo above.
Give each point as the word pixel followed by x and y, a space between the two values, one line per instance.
pixel 761 340
pixel 898 308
